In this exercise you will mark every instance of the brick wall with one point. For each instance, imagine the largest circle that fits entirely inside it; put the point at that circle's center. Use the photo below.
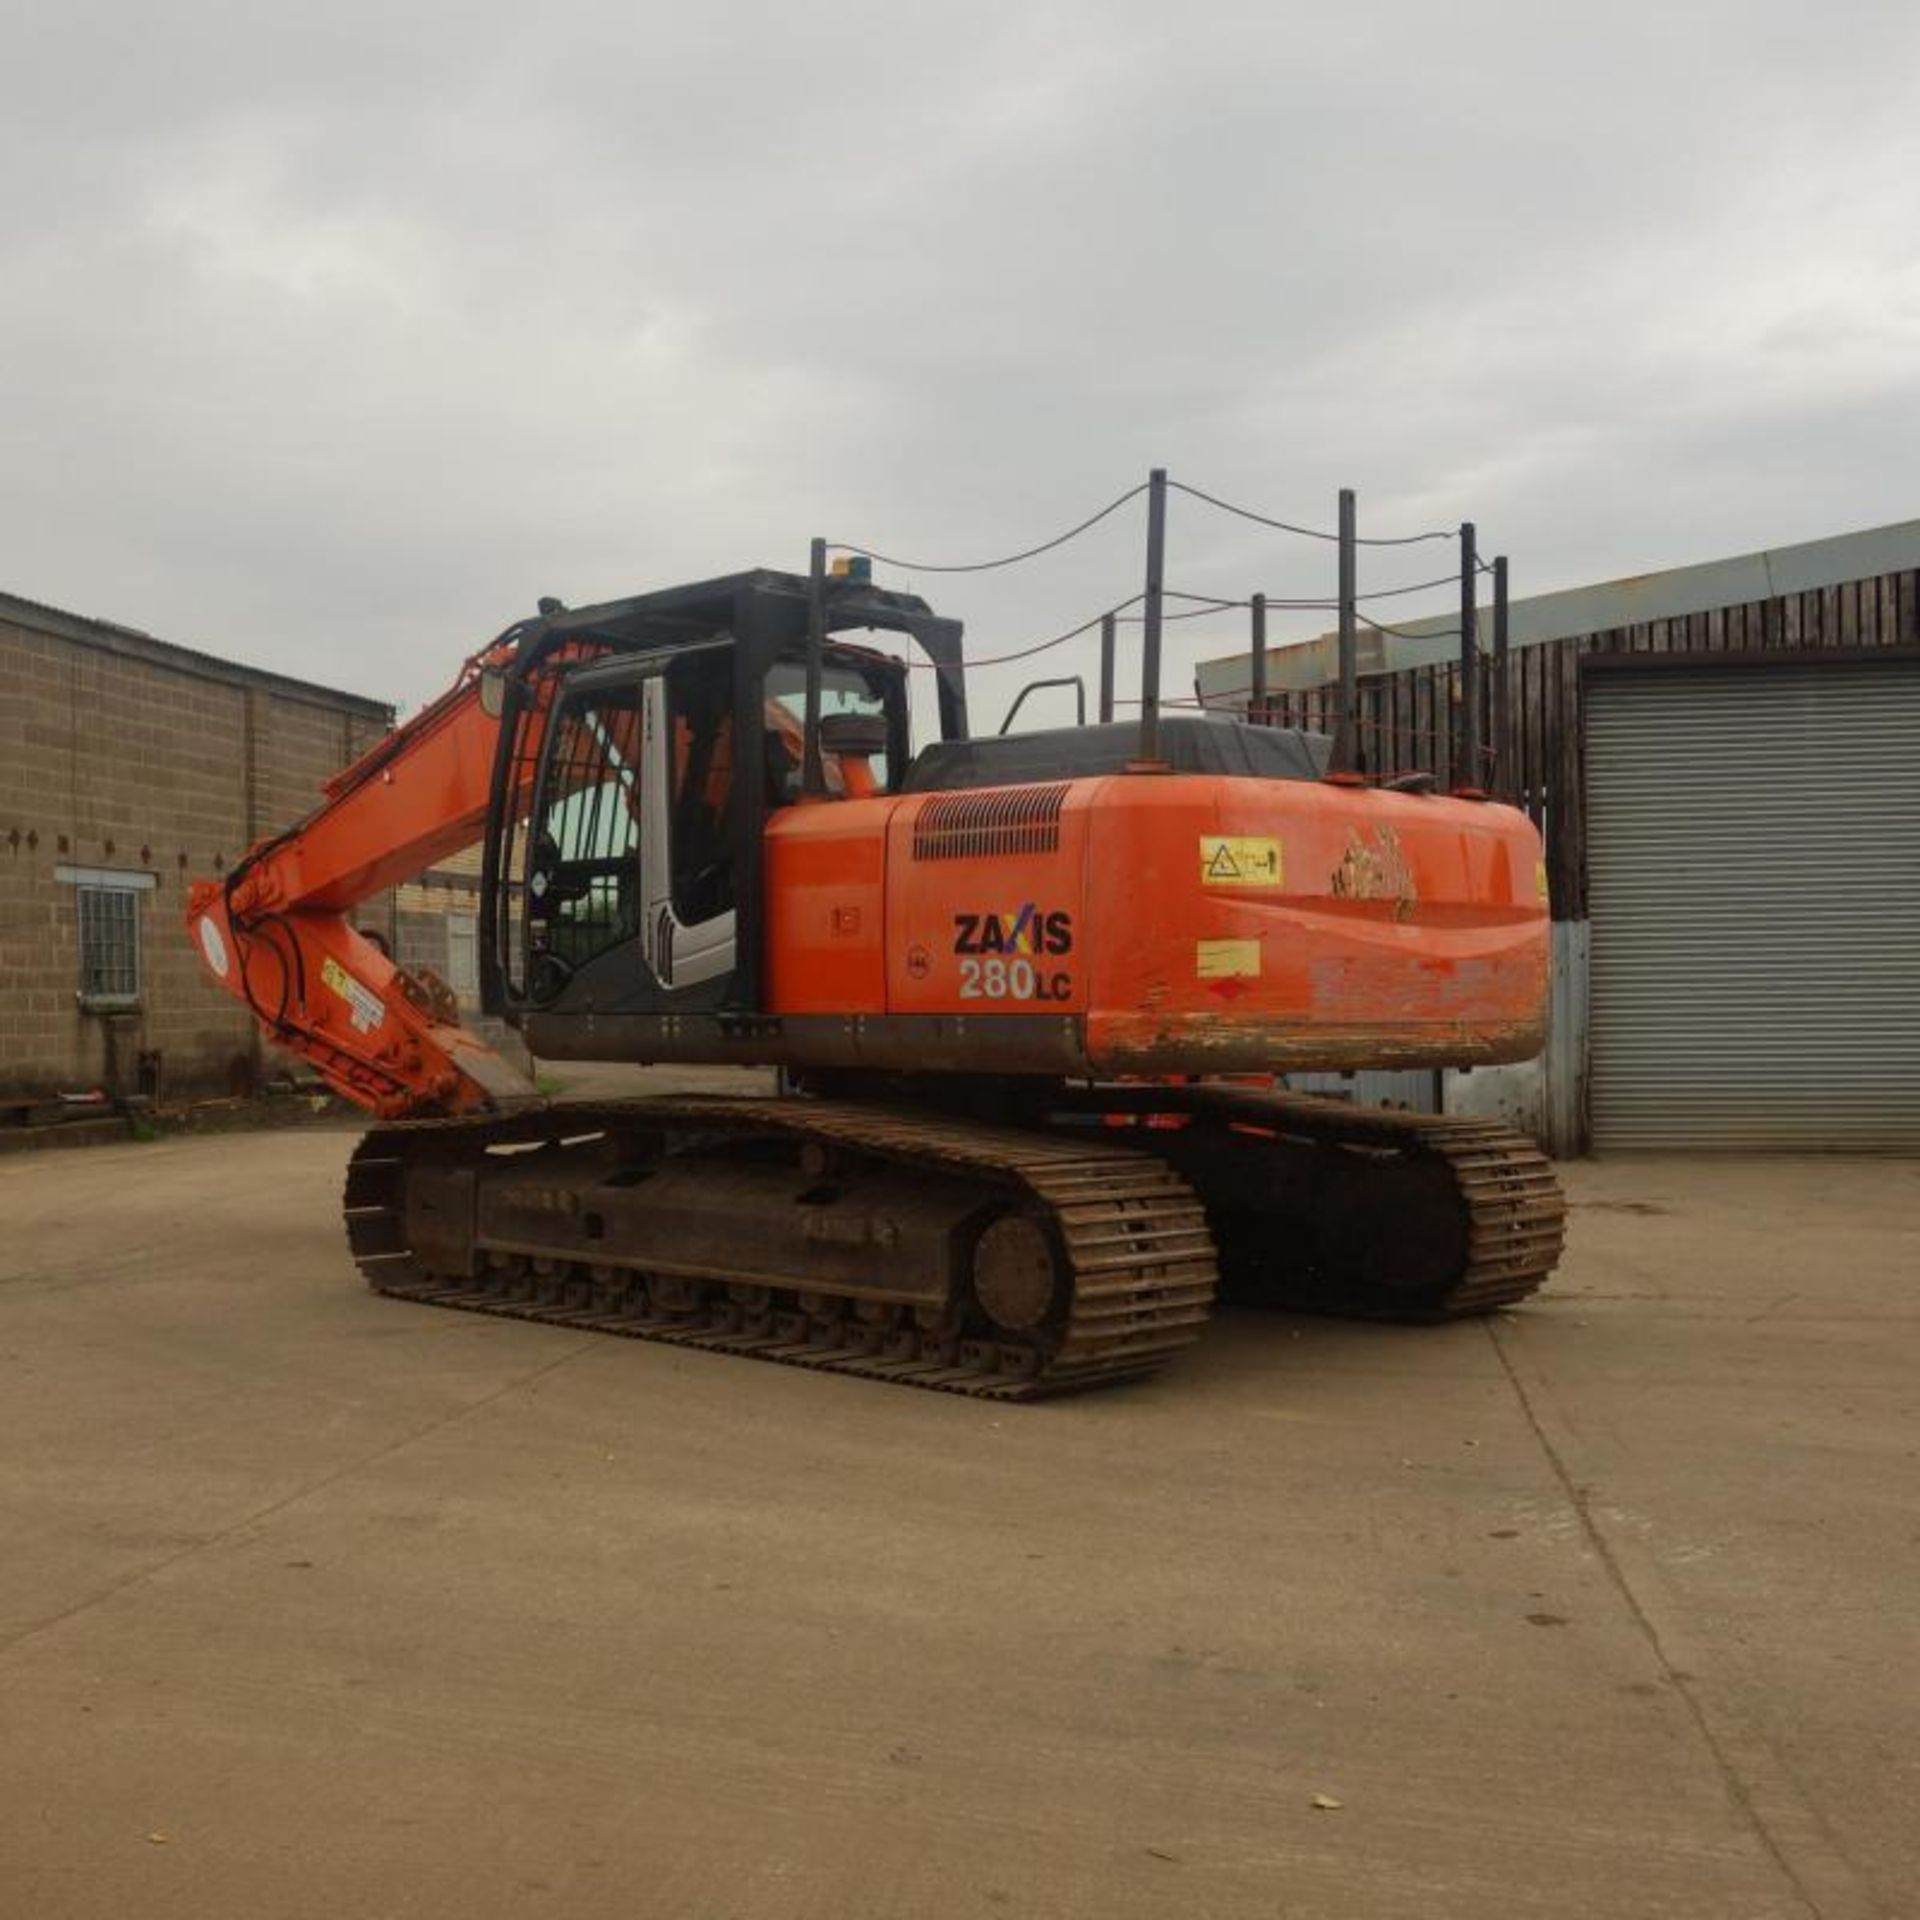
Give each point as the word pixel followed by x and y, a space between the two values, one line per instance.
pixel 119 752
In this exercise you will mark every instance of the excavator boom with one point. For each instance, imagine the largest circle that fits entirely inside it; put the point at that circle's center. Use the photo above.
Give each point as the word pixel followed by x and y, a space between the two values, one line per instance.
pixel 277 933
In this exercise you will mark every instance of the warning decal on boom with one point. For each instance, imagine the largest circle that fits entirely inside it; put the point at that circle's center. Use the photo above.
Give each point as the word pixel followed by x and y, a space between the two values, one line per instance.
pixel 364 1007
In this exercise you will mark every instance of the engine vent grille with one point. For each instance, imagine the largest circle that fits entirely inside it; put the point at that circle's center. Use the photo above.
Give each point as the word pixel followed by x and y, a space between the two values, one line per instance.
pixel 962 826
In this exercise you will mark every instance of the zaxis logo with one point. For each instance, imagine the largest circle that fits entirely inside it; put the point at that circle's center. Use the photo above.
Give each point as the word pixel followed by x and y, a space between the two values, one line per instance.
pixel 1027 931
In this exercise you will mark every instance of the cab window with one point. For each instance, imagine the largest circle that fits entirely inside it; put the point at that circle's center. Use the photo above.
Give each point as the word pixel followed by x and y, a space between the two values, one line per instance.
pixel 583 882
pixel 700 733
pixel 853 731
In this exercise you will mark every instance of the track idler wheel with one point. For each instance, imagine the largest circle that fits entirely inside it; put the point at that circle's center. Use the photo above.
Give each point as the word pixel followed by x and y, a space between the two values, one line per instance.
pixel 1016 1274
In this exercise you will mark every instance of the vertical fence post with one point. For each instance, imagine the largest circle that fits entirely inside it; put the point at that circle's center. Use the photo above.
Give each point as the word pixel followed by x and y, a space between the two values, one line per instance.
pixel 1346 754
pixel 1466 759
pixel 1502 698
pixel 813 769
pixel 1150 619
pixel 1257 693
pixel 1107 624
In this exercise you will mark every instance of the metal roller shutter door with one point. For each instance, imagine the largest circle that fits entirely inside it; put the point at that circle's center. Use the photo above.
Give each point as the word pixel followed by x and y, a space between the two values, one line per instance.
pixel 1753 843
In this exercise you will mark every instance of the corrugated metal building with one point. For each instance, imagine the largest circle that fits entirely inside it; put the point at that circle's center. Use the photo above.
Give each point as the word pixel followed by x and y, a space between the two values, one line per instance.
pixel 1724 761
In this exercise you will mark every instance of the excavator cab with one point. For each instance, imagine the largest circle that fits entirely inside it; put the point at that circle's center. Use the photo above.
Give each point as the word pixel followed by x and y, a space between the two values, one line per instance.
pixel 632 862
pixel 625 880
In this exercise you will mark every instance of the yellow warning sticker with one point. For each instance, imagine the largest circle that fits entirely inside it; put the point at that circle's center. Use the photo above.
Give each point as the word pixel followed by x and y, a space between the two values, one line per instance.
pixel 1227 959
pixel 364 1008
pixel 1540 880
pixel 1231 860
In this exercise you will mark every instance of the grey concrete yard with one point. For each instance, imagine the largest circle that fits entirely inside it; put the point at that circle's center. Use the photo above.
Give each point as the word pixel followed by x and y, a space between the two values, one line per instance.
pixel 317 1605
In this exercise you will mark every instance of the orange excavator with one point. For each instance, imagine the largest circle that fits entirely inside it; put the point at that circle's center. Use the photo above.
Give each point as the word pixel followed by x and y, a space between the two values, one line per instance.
pixel 1030 994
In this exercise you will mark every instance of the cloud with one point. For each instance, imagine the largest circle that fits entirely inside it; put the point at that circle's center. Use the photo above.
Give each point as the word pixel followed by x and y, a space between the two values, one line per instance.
pixel 333 338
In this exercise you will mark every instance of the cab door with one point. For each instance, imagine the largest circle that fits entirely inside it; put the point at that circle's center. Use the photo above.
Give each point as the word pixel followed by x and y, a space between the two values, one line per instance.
pixel 686 819
pixel 581 896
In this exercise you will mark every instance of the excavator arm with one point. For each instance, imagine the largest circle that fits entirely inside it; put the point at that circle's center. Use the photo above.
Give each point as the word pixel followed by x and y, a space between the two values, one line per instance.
pixel 275 932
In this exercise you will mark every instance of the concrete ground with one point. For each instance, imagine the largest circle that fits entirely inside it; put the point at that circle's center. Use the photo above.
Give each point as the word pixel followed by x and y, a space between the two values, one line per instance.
pixel 315 1604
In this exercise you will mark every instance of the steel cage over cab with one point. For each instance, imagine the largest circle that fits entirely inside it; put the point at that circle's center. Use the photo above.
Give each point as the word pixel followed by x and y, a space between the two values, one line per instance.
pixel 746 627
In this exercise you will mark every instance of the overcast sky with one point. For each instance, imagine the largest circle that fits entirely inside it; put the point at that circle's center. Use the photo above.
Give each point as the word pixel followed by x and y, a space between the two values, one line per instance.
pixel 332 336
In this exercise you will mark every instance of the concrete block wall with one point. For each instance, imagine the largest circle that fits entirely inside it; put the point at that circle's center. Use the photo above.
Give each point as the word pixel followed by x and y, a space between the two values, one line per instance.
pixel 420 940
pixel 123 753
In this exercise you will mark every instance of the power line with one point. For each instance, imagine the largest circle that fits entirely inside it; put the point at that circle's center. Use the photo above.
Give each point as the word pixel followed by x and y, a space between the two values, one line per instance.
pixel 1006 560
pixel 1192 613
pixel 1202 604
pixel 1419 586
pixel 1039 646
pixel 1245 513
pixel 1133 493
pixel 1319 603
pixel 1310 533
pixel 1403 633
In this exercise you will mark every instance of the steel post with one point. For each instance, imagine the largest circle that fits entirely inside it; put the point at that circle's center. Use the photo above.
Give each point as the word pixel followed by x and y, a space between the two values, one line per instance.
pixel 1500 780
pixel 1257 694
pixel 813 768
pixel 1150 619
pixel 1346 746
pixel 1467 771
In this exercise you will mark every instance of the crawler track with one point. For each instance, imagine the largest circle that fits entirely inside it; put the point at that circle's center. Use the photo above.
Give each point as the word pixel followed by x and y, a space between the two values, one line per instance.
pixel 1321 1205
pixel 1298 1202
pixel 1131 1241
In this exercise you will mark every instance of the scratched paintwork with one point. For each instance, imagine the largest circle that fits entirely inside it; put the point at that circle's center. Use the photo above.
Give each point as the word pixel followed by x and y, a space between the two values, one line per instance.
pixel 1373 867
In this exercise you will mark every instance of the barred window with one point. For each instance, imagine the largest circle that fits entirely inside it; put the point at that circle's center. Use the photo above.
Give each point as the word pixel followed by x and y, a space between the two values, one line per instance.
pixel 109 945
